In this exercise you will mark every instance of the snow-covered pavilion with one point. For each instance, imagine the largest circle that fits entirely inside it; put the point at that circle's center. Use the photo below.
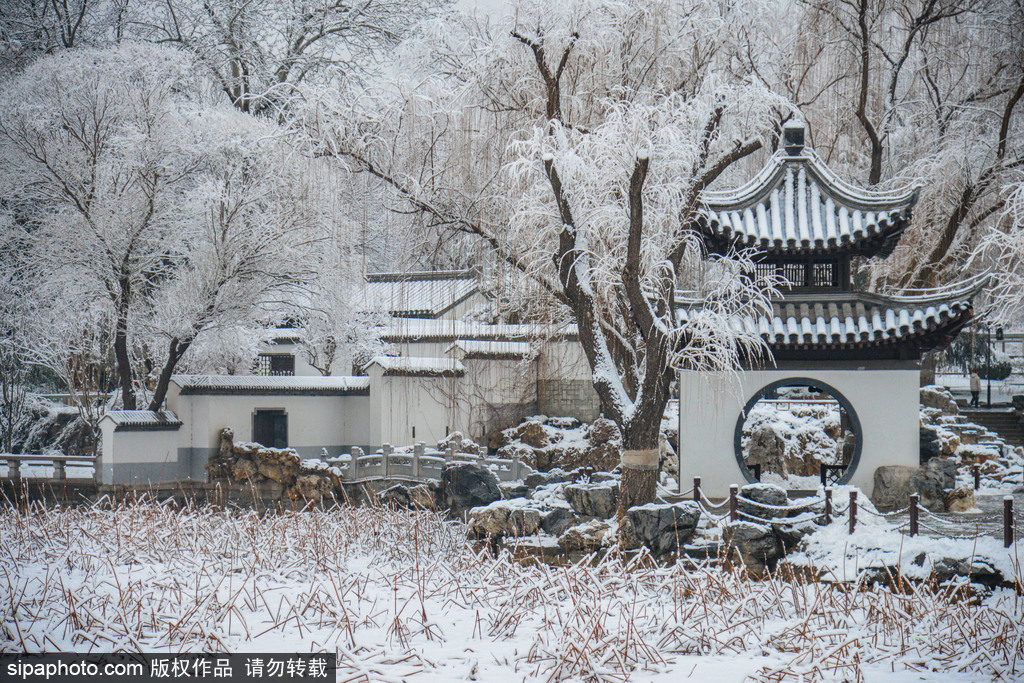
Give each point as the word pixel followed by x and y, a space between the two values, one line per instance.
pixel 862 348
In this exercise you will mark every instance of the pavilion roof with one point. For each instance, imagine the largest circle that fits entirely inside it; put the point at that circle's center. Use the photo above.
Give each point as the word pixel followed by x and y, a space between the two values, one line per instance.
pixel 797 206
pixel 858 324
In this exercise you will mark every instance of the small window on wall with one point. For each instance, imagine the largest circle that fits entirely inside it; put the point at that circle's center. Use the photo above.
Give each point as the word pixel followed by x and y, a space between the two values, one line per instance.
pixel 270 428
pixel 276 364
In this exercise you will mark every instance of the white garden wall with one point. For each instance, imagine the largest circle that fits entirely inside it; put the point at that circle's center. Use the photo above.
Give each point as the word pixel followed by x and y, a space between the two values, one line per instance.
pixel 883 394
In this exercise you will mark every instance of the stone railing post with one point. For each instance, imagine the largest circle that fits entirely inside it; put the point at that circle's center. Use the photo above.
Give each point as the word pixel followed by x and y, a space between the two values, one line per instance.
pixel 449 453
pixel 385 450
pixel 59 471
pixel 516 467
pixel 353 464
pixel 417 453
pixel 13 468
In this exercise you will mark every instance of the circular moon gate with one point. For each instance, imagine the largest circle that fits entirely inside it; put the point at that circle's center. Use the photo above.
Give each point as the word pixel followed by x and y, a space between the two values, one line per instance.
pixel 763 392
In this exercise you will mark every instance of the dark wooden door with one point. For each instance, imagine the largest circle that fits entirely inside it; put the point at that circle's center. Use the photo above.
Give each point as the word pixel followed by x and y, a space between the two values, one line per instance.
pixel 270 428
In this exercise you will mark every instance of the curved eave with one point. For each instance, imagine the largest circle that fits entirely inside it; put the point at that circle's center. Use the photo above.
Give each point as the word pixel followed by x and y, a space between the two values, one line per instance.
pixel 796 206
pixel 805 327
pixel 935 328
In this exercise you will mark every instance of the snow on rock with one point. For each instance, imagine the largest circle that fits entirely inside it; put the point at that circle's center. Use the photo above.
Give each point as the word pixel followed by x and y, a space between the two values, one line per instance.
pixel 587 536
pixel 546 443
pixel 514 517
pixel 754 545
pixel 594 499
pixel 663 527
pixel 466 485
pixel 876 544
pixel 47 427
pixel 794 438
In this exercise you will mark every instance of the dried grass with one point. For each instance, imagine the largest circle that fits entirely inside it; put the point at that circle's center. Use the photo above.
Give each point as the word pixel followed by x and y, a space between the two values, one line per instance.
pixel 397 594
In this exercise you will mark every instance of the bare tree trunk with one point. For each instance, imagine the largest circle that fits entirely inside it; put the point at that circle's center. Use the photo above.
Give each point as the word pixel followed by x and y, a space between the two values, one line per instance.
pixel 124 362
pixel 175 351
pixel 124 366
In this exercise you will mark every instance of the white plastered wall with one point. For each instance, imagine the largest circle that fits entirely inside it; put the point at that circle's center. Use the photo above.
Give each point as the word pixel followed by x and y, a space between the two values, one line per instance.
pixel 314 422
pixel 402 404
pixel 139 457
pixel 885 397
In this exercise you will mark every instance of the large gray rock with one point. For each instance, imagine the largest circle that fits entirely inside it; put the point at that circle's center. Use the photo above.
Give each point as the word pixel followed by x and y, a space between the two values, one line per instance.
pixel 586 536
pixel 752 544
pixel 556 520
pixel 792 532
pixel 767 448
pixel 762 501
pixel 502 518
pixel 554 476
pixel 931 444
pixel 662 527
pixel 467 485
pixel 424 496
pixel 934 396
pixel 978 570
pixel 594 500
pixel 894 483
pixel 395 496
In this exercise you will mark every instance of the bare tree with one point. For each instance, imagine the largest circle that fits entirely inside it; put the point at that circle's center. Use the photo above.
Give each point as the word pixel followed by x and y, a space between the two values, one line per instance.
pixel 575 142
pixel 253 241
pixel 259 51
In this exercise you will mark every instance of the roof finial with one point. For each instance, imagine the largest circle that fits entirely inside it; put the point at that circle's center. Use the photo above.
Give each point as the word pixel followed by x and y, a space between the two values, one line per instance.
pixel 793 136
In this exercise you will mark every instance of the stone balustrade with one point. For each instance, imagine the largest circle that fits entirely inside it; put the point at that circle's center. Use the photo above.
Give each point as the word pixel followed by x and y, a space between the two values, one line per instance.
pixel 420 463
pixel 58 462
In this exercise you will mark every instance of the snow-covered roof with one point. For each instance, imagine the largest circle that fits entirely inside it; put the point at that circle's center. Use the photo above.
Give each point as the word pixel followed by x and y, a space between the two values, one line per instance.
pixel 420 330
pixel 143 420
pixel 470 348
pixel 421 294
pixel 271 385
pixel 426 367
pixel 796 205
pixel 854 320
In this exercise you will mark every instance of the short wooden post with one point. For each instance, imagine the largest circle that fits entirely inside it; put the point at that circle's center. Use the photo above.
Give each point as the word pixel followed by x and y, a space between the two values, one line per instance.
pixel 734 513
pixel 913 513
pixel 696 490
pixel 1007 521
pixel 353 464
pixel 13 468
pixel 853 511
pixel 60 473
pixel 385 459
pixel 976 471
pixel 417 453
pixel 823 473
pixel 828 505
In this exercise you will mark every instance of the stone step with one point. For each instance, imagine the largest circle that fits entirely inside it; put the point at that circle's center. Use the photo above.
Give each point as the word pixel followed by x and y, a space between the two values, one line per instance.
pixel 1003 422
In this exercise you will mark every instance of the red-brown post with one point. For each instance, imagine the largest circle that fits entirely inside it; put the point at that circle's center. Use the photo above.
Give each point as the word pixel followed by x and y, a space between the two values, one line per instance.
pixel 733 510
pixel 1007 521
pixel 853 511
pixel 828 505
pixel 913 513
pixel 976 471
pixel 696 490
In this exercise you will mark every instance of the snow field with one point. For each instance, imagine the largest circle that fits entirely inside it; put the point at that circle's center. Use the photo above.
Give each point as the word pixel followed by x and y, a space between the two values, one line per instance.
pixel 400 595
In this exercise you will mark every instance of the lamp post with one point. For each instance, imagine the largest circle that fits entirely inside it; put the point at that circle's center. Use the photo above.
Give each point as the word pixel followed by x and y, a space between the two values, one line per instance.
pixel 988 357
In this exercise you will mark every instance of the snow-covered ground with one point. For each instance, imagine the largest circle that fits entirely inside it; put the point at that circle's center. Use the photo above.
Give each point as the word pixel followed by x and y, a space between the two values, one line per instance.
pixel 1002 390
pixel 401 596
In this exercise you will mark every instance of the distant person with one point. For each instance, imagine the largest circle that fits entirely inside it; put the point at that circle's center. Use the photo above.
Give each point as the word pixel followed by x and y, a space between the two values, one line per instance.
pixel 975 388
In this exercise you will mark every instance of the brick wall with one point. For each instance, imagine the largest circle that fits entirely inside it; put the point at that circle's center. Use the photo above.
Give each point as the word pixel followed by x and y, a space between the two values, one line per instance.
pixel 568 398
